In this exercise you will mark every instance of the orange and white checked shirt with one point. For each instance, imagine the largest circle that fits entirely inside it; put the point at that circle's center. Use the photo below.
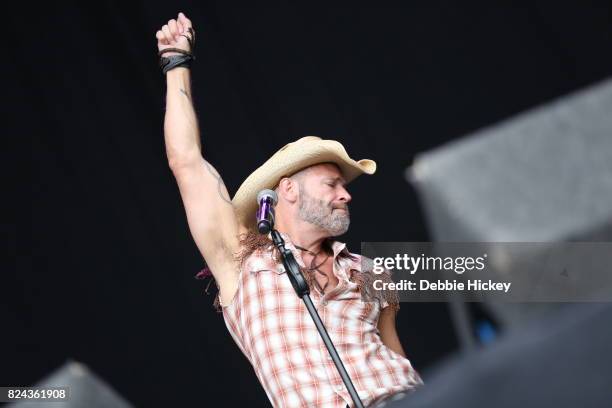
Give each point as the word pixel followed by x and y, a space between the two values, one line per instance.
pixel 274 330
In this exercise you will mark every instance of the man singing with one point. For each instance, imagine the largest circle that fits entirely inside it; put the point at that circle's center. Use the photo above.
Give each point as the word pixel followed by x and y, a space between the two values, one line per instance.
pixel 267 320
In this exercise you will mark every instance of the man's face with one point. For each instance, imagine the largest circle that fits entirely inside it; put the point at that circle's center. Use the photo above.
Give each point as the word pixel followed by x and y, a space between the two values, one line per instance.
pixel 323 199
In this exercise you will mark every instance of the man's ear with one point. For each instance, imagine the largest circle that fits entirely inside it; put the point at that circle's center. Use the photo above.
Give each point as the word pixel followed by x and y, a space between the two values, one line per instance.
pixel 288 189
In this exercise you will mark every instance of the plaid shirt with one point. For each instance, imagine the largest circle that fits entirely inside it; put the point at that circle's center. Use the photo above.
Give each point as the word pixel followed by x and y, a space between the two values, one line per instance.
pixel 272 327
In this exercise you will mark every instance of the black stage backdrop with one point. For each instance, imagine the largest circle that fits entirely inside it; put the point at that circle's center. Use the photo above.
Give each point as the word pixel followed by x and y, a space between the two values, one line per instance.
pixel 105 269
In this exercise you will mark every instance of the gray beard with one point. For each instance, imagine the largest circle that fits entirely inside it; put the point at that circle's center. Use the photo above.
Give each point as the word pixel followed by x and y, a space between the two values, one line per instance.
pixel 335 222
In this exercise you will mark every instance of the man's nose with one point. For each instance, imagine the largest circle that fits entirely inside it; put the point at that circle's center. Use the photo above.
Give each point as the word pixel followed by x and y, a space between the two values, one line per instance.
pixel 345 197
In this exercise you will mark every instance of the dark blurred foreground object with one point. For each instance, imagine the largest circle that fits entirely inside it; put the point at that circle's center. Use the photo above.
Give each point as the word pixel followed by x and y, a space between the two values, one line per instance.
pixel 565 361
pixel 542 176
pixel 86 390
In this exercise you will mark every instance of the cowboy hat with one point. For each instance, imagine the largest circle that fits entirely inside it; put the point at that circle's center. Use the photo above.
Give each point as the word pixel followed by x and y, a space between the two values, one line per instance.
pixel 290 159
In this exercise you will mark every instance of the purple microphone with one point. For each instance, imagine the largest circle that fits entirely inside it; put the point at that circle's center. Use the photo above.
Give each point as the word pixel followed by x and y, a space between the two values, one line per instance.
pixel 266 199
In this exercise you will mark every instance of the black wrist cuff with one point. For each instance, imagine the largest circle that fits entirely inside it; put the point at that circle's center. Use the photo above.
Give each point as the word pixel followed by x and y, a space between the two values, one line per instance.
pixel 173 61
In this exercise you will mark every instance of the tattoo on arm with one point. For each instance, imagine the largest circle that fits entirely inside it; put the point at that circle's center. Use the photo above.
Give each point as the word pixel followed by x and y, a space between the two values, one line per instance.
pixel 221 189
pixel 185 93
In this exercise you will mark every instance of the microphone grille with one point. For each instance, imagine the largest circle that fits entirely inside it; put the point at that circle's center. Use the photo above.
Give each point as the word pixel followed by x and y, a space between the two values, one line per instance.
pixel 267 193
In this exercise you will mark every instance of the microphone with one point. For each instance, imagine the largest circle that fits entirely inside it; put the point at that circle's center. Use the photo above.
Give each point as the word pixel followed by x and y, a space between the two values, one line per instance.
pixel 266 199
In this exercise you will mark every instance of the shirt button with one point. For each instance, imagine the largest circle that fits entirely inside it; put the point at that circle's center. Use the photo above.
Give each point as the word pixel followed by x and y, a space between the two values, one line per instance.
pixel 324 303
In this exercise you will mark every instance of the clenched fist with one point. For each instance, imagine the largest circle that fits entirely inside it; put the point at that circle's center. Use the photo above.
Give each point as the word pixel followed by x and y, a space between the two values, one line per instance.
pixel 176 34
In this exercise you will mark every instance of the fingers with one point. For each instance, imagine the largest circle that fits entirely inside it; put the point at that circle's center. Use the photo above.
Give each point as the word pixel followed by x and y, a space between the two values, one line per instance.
pixel 167 34
pixel 161 37
pixel 173 29
pixel 184 21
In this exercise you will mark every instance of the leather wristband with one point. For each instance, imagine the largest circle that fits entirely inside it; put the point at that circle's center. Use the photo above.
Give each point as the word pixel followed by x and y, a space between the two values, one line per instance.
pixel 173 61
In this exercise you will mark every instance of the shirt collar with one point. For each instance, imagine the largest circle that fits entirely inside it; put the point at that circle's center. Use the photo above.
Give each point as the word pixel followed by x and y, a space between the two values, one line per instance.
pixel 337 246
pixel 345 263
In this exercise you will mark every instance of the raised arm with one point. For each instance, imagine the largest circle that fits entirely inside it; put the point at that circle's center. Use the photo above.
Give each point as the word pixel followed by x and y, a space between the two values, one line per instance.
pixel 208 207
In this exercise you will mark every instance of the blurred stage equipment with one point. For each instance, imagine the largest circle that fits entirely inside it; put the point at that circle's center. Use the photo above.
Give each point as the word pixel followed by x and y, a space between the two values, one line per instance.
pixel 542 176
pixel 85 390
pixel 564 361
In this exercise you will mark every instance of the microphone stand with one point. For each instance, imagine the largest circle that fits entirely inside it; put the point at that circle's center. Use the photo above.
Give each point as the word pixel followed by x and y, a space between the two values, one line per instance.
pixel 303 291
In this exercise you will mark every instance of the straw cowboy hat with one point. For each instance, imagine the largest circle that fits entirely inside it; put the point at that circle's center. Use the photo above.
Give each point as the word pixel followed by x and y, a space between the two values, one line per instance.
pixel 291 158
